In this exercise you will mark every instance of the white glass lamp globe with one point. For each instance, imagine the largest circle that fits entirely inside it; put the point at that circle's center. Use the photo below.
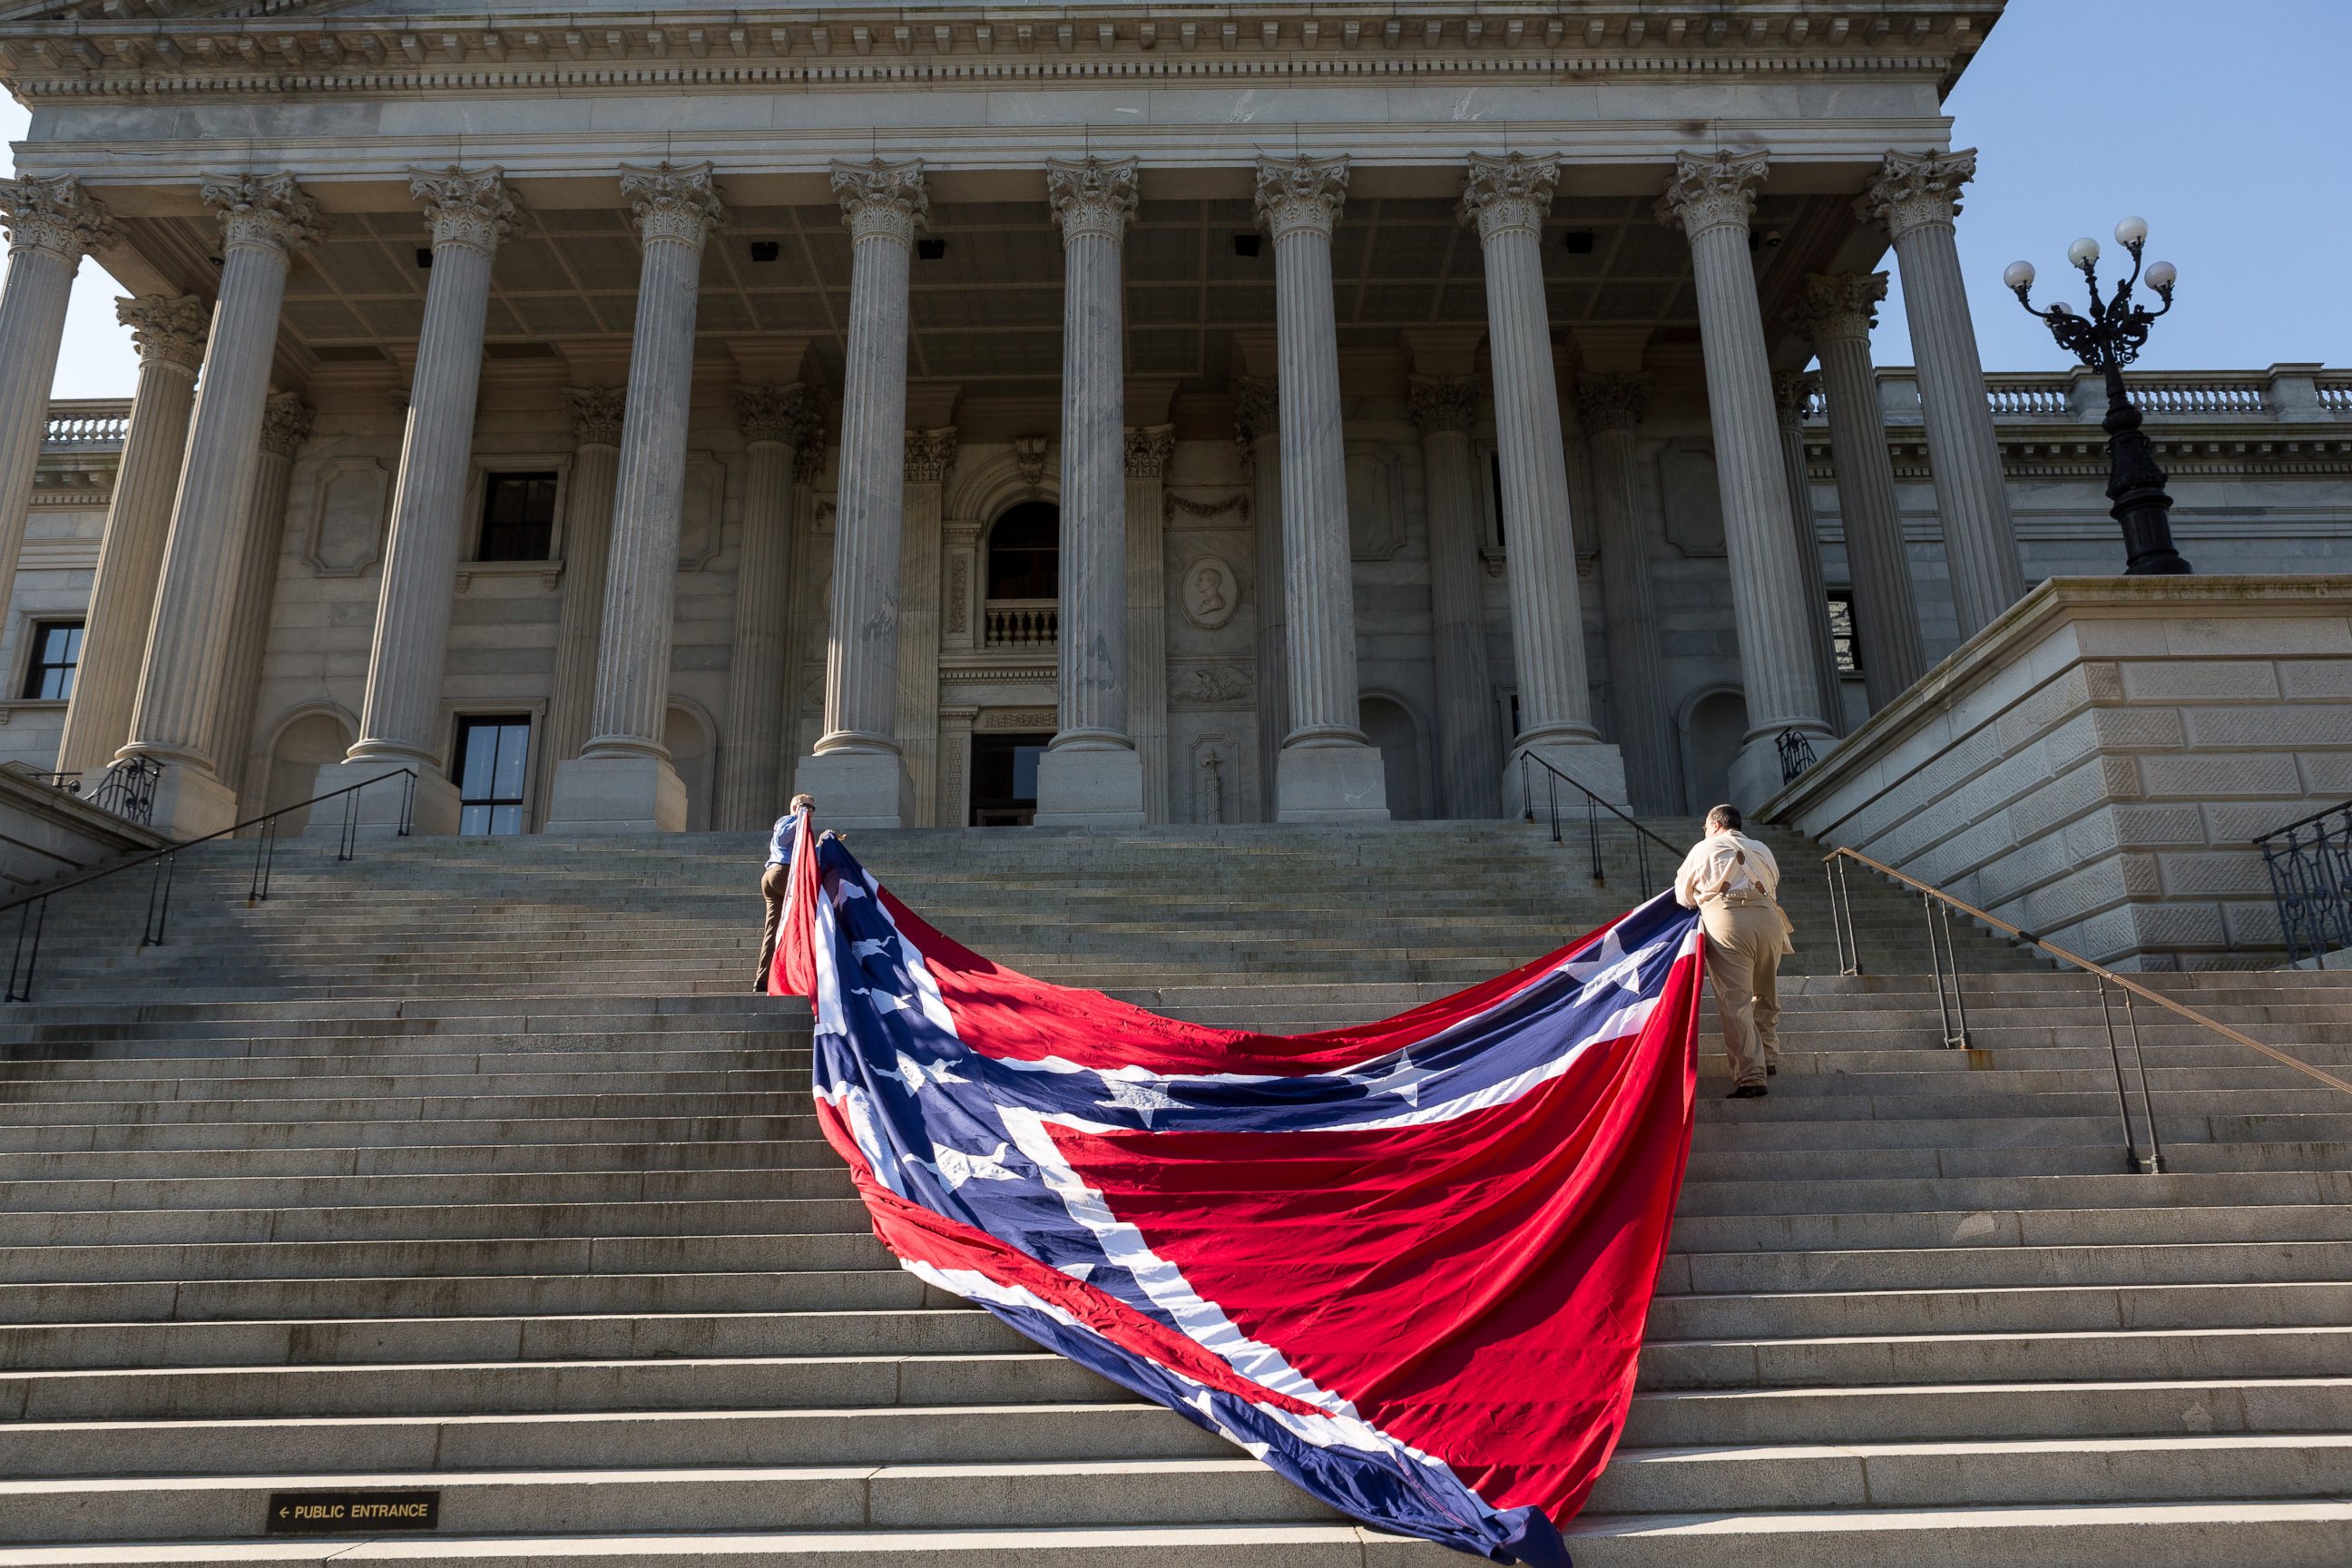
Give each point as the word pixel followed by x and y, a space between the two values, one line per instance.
pixel 2083 252
pixel 2131 231
pixel 2058 308
pixel 2019 275
pixel 2163 275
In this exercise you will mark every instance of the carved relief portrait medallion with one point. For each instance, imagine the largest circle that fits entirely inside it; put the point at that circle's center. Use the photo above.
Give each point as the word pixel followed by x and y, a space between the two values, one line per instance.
pixel 1211 592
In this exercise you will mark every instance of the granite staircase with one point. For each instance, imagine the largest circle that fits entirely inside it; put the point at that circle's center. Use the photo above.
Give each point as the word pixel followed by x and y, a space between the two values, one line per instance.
pixel 474 1167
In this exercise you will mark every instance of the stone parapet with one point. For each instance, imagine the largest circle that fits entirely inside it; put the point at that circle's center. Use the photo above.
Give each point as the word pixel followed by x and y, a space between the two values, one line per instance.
pixel 2094 764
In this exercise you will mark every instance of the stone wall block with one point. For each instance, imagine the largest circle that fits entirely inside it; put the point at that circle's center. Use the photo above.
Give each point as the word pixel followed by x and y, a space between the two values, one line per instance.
pixel 2165 826
pixel 2044 708
pixel 2136 729
pixel 2034 867
pixel 2200 680
pixel 2300 728
pixel 2193 777
pixel 2103 680
pixel 2325 776
pixel 2308 681
pixel 2256 636
pixel 2065 797
pixel 2253 925
pixel 2211 873
pixel 2123 778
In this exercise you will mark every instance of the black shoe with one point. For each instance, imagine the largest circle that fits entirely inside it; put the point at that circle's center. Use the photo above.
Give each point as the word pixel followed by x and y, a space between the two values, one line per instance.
pixel 1771 1070
pixel 1749 1091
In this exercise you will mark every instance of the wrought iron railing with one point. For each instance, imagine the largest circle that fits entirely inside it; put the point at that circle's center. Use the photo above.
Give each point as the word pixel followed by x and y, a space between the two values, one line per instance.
pixel 2310 863
pixel 1939 906
pixel 1022 622
pixel 128 790
pixel 1796 749
pixel 1598 814
pixel 33 909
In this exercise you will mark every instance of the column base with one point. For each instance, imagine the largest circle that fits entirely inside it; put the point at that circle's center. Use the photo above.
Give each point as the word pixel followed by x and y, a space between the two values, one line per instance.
pixel 857 788
pixel 191 804
pixel 1090 786
pixel 436 809
pixel 1596 764
pixel 632 793
pixel 1331 783
pixel 1756 772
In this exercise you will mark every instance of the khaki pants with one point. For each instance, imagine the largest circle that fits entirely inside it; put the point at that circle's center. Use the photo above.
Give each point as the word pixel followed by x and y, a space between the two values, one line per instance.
pixel 1744 944
pixel 775 884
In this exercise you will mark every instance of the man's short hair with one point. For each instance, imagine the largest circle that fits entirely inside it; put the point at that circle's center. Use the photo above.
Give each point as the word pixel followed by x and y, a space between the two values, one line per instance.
pixel 1725 816
pixel 801 800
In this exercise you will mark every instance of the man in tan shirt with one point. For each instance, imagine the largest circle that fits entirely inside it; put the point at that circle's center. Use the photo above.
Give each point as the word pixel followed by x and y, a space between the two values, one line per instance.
pixel 1733 883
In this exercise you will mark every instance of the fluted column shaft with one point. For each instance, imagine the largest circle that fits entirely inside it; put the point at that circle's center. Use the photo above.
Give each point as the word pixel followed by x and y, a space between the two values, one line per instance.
pixel 588 490
pixel 284 428
pixel 169 333
pixel 676 210
pixel 1506 199
pixel 777 421
pixel 1838 313
pixel 52 224
pixel 1469 743
pixel 1149 450
pixel 1792 390
pixel 1711 197
pixel 1610 407
pixel 884 205
pixel 1915 199
pixel 264 219
pixel 467 212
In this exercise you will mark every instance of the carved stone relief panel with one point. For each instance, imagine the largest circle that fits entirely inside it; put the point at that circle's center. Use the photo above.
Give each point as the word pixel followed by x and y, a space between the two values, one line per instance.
pixel 348 514
pixel 1222 685
pixel 1210 591
pixel 1216 783
pixel 1694 503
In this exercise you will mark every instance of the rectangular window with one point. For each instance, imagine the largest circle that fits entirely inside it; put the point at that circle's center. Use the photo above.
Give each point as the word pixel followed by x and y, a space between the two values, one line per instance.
pixel 517 517
pixel 1842 633
pixel 57 653
pixel 492 754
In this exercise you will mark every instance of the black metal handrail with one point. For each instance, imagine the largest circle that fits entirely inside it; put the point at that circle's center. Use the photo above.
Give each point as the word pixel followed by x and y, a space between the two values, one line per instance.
pixel 33 909
pixel 1593 806
pixel 2310 864
pixel 1939 906
pixel 128 790
pixel 1796 749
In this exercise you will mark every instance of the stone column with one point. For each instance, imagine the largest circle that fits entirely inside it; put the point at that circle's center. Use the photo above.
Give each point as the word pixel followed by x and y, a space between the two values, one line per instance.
pixel 264 219
pixel 1837 313
pixel 1711 196
pixel 1148 450
pixel 1092 776
pixel 777 422
pixel 52 223
pixel 467 212
pixel 170 335
pixel 596 418
pixel 1469 742
pixel 1328 771
pixel 857 771
pixel 1915 199
pixel 915 716
pixel 1257 426
pixel 1793 395
pixel 284 428
pixel 1506 199
pixel 622 781
pixel 1611 407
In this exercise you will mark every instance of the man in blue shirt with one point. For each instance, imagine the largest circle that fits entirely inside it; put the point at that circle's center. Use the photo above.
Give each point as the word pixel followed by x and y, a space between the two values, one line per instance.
pixel 776 881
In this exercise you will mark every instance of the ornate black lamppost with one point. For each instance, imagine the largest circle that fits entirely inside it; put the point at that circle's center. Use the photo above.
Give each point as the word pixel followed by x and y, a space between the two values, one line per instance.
pixel 2106 339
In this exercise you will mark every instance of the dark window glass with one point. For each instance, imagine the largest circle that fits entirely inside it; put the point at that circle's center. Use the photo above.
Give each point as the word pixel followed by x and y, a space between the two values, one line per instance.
pixel 517 517
pixel 1004 779
pixel 1842 634
pixel 57 652
pixel 491 757
pixel 1025 552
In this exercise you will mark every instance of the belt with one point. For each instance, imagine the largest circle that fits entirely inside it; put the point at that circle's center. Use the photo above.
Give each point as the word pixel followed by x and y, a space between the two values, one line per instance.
pixel 1742 901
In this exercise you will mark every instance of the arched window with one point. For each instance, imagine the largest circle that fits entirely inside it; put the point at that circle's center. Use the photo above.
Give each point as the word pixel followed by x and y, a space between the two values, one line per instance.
pixel 1025 552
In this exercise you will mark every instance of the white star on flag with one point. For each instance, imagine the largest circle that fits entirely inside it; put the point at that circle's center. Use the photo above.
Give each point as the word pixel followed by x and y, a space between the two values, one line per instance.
pixel 1404 1080
pixel 955 1167
pixel 1132 1094
pixel 912 1073
pixel 871 947
pixel 1608 964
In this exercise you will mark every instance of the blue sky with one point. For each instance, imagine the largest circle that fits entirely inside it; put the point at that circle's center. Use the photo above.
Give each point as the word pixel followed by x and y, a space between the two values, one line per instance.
pixel 2215 128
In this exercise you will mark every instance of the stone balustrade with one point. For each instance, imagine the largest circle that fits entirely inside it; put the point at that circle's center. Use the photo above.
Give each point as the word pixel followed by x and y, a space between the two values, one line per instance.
pixel 1022 622
pixel 2287 394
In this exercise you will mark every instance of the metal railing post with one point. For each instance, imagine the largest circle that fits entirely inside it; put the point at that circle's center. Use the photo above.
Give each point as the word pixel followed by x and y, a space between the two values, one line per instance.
pixel 264 860
pixel 407 801
pixel 1936 958
pixel 38 912
pixel 2116 1060
pixel 2146 1107
pixel 159 900
pixel 1959 997
pixel 347 845
pixel 1526 795
pixel 1592 841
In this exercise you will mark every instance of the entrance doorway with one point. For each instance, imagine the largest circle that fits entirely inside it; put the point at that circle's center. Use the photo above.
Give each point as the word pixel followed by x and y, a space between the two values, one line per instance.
pixel 1004 779
pixel 492 756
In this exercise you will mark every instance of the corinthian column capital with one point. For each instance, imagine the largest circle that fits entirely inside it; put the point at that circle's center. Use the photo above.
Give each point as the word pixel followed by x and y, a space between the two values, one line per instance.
pixel 1792 396
pixel 166 329
pixel 284 425
pixel 1258 407
pixel 1712 190
pixel 54 214
pixel 1514 192
pixel 1092 197
pixel 1614 401
pixel 785 414
pixel 264 211
pixel 1436 403
pixel 1914 190
pixel 930 455
pixel 465 206
pixel 595 413
pixel 1834 307
pixel 889 201
pixel 1149 448
pixel 1296 194
pixel 667 202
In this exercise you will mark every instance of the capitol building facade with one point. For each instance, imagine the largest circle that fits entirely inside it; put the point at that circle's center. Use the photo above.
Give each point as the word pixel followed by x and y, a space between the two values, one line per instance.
pixel 1131 415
